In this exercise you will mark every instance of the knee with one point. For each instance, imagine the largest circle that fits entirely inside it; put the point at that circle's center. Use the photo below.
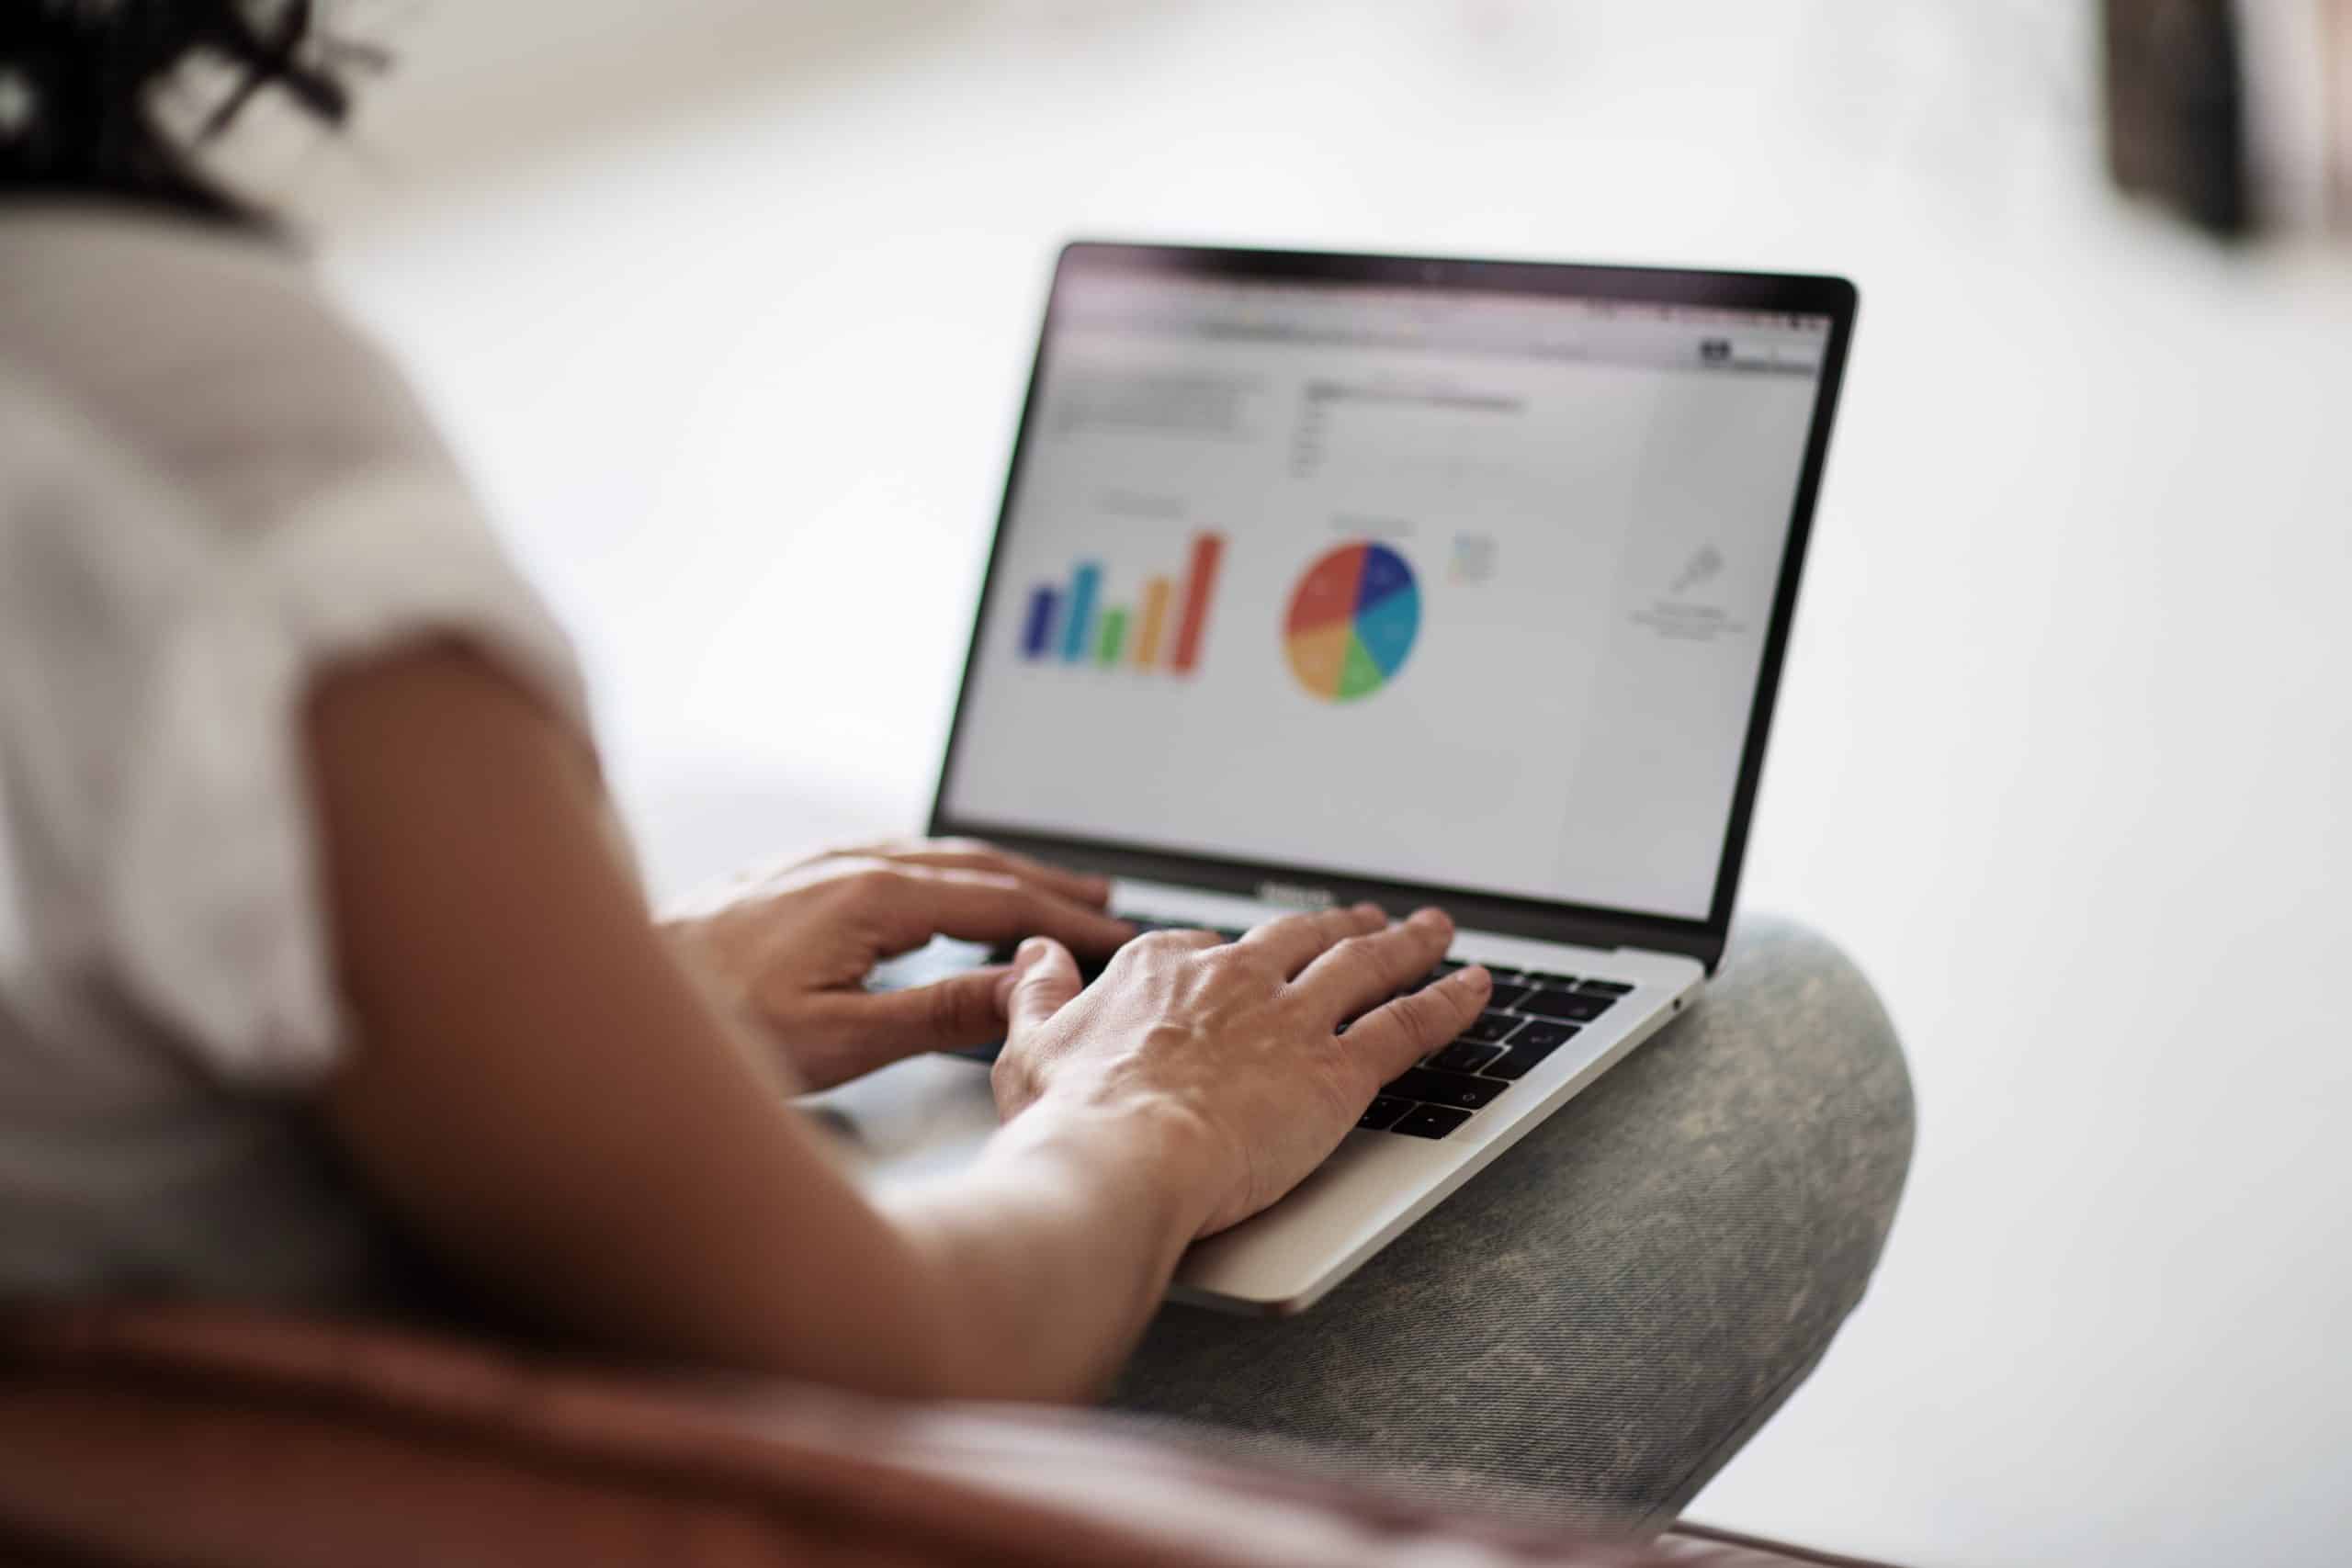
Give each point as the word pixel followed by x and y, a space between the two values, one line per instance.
pixel 1809 1018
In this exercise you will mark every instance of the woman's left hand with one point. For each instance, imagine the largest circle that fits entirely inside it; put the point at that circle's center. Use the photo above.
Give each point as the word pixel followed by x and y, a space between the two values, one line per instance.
pixel 794 947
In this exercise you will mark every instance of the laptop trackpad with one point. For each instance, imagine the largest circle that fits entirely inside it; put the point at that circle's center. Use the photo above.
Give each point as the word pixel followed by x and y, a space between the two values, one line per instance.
pixel 924 1117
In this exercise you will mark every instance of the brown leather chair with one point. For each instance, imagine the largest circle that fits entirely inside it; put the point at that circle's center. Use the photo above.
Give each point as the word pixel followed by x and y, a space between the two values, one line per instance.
pixel 180 1435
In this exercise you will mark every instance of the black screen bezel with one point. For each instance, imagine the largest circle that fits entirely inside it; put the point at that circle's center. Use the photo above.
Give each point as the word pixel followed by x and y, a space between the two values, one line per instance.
pixel 1584 924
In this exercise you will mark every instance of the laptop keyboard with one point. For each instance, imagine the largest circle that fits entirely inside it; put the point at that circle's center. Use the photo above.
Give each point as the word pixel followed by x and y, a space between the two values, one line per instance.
pixel 1531 1014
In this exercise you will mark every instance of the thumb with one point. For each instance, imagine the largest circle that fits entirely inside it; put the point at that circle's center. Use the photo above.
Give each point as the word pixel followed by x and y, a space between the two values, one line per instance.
pixel 1043 981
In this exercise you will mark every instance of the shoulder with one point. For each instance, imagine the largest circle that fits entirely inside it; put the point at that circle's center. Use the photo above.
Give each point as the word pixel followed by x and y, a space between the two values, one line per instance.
pixel 86 276
pixel 212 491
pixel 205 472
pixel 209 358
pixel 96 295
pixel 197 442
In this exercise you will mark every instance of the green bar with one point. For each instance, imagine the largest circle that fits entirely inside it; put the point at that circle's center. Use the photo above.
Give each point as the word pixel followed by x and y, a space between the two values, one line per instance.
pixel 1115 636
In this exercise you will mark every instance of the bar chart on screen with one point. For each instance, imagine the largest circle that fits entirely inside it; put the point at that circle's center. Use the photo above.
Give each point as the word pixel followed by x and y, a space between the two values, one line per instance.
pixel 1161 629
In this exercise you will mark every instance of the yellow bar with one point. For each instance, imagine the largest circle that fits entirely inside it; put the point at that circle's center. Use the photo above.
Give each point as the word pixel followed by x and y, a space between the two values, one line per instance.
pixel 1155 622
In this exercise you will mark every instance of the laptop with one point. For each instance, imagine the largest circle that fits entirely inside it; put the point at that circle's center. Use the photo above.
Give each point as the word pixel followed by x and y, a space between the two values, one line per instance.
pixel 1322 578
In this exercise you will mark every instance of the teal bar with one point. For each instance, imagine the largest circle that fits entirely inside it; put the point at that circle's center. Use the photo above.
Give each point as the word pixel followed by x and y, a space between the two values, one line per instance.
pixel 1081 625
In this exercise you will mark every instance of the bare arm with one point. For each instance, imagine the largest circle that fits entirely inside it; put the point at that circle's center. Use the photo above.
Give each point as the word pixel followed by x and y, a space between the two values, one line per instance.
pixel 542 1094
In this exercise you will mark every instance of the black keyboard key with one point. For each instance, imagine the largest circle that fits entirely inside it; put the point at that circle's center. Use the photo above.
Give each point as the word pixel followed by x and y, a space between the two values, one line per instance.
pixel 1433 1088
pixel 1605 988
pixel 1383 1112
pixel 1488 1028
pixel 1431 1122
pixel 1541 1037
pixel 1505 975
pixel 1462 1057
pixel 1529 1046
pixel 1506 996
pixel 1557 982
pixel 1574 1006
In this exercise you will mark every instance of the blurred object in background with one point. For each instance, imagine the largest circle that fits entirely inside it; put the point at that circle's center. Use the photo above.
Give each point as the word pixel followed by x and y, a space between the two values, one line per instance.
pixel 2237 114
pixel 2335 39
pixel 2176 109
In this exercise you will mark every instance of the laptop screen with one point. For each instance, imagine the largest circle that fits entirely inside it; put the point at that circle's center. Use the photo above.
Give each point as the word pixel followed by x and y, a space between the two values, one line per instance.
pixel 1441 586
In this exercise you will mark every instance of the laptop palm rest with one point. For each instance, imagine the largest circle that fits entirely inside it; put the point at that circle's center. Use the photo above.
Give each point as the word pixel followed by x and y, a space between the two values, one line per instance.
pixel 925 1117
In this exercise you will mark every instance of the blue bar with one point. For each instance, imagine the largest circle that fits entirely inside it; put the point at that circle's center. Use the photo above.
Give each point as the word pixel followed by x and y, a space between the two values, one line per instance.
pixel 1079 628
pixel 1039 630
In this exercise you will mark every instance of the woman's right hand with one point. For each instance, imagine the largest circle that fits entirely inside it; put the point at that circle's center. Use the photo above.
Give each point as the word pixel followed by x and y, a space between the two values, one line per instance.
pixel 1234 1051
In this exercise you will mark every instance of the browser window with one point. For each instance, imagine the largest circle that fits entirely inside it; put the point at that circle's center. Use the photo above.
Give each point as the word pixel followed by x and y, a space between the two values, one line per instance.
pixel 1437 586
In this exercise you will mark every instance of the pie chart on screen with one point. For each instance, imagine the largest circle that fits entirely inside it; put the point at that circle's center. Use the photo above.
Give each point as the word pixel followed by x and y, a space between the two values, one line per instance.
pixel 1352 623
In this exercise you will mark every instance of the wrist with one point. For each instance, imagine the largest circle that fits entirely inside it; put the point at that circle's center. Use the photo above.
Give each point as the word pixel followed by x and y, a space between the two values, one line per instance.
pixel 1150 1160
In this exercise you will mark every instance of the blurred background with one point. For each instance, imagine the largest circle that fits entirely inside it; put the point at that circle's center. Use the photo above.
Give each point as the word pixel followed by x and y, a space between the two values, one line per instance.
pixel 728 304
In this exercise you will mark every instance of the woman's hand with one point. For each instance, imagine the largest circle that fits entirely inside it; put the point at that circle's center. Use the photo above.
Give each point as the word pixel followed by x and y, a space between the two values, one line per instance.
pixel 794 948
pixel 1235 1052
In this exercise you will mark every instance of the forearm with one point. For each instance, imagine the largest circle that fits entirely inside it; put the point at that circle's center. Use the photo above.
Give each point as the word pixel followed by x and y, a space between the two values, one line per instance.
pixel 1050 1255
pixel 545 1100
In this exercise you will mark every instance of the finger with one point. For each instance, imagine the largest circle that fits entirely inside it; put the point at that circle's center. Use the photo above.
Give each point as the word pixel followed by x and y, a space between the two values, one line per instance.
pixel 981 906
pixel 1295 940
pixel 963 855
pixel 1394 1036
pixel 1365 970
pixel 973 854
pixel 1043 981
pixel 946 1015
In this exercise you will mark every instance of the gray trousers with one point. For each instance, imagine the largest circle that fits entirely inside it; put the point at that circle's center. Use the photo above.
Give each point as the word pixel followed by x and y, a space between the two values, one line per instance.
pixel 1593 1325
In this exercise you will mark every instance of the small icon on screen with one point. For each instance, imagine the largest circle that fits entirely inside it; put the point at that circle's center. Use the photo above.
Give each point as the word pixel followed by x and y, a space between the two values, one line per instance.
pixel 1702 566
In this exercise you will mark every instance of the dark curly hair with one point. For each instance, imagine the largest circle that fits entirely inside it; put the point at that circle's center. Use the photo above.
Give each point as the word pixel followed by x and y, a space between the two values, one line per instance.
pixel 79 81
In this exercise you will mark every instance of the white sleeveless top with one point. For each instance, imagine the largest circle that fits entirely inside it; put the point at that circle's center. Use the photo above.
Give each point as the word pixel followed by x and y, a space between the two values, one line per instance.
pixel 210 487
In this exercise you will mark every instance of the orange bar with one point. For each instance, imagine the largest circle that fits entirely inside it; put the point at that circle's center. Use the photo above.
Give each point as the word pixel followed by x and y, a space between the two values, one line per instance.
pixel 1155 622
pixel 1200 582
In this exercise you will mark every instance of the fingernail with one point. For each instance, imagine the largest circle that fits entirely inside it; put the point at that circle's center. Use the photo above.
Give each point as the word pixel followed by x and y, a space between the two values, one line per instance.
pixel 1476 978
pixel 1030 950
pixel 1368 910
pixel 1429 915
